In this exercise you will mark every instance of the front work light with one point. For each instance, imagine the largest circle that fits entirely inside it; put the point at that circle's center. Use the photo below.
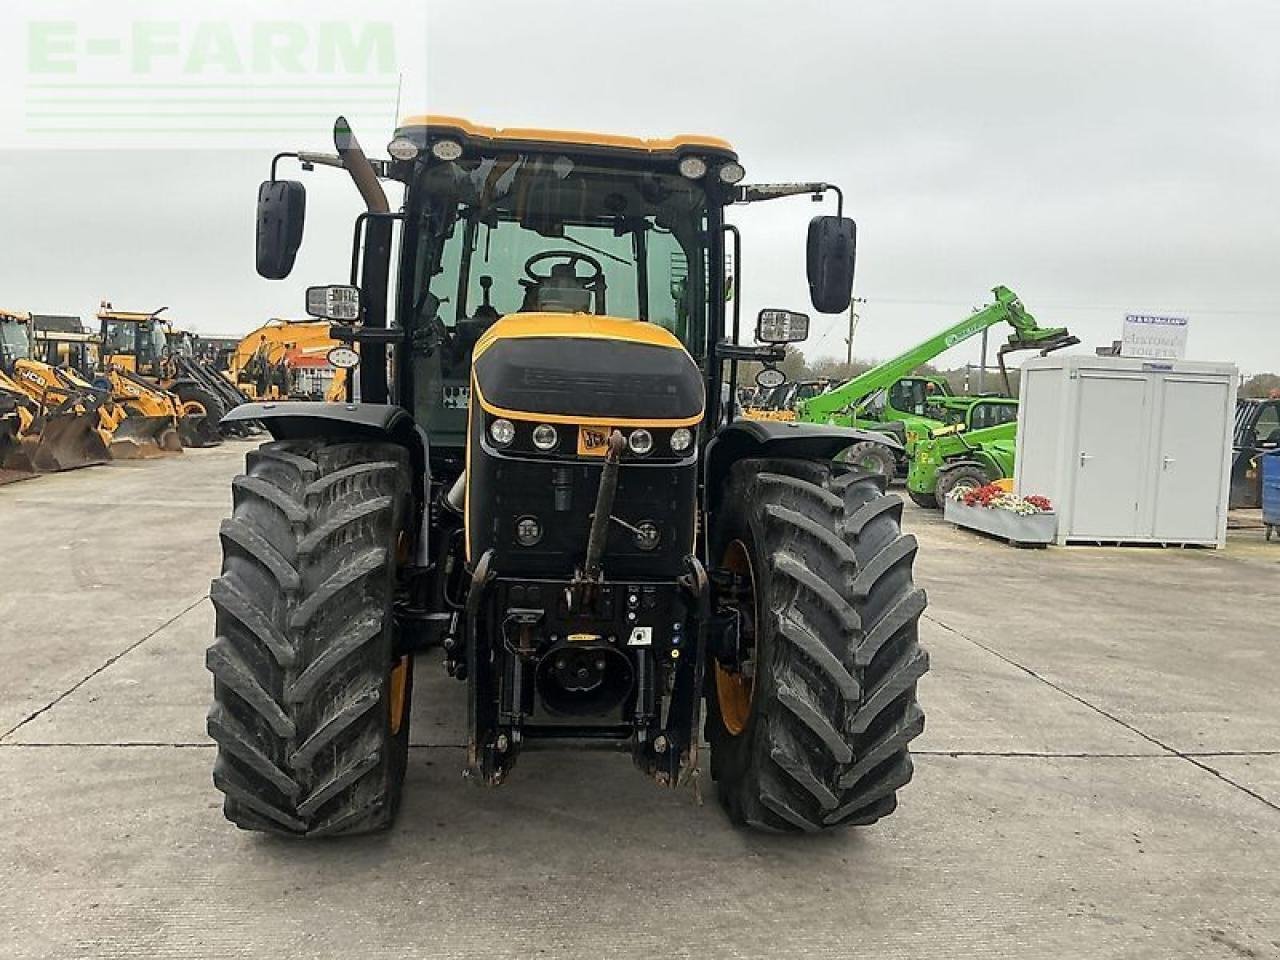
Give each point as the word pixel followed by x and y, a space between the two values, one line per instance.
pixel 528 531
pixel 693 168
pixel 502 432
pixel 732 172
pixel 640 441
pixel 446 149
pixel 402 148
pixel 545 436
pixel 681 439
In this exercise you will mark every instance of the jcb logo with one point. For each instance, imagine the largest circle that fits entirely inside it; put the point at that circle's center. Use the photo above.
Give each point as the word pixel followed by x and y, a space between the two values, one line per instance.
pixel 32 376
pixel 593 441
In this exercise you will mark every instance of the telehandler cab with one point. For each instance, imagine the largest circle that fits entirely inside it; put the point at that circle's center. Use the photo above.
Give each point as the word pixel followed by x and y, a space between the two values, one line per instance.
pixel 542 477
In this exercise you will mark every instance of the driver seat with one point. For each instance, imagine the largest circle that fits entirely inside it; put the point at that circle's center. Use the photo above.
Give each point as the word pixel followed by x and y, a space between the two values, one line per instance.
pixel 562 292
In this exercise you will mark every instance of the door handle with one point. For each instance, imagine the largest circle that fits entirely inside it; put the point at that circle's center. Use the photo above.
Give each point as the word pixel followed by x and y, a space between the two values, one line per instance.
pixel 1168 460
pixel 1084 457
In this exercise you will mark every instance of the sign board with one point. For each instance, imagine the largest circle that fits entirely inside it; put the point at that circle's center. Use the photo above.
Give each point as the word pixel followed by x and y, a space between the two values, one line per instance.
pixel 1153 337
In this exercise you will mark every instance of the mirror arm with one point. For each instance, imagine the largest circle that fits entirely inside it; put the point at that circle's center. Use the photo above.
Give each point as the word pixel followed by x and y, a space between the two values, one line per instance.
pixel 766 353
pixel 346 333
pixel 755 192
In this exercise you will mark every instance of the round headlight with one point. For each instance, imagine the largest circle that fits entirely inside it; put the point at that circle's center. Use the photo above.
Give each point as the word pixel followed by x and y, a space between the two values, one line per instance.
pixel 545 436
pixel 402 148
pixel 528 531
pixel 502 432
pixel 647 535
pixel 732 172
pixel 681 439
pixel 446 149
pixel 693 167
pixel 640 441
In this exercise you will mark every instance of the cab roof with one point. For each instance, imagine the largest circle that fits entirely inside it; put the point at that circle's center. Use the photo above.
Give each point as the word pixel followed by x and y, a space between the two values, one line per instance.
pixel 436 125
pixel 14 315
pixel 124 315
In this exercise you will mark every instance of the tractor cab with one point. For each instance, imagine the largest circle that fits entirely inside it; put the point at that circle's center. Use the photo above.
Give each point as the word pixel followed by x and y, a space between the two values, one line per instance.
pixel 15 339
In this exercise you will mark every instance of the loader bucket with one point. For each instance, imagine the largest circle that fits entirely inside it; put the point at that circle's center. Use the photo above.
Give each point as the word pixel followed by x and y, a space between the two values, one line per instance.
pixel 15 461
pixel 138 438
pixel 67 441
pixel 196 430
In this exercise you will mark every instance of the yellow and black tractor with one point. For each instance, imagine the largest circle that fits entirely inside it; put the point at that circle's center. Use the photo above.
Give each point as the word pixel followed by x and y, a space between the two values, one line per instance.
pixel 544 476
pixel 65 423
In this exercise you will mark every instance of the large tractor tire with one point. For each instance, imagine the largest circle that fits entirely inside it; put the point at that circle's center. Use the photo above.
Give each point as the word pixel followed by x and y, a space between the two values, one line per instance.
pixel 310 700
pixel 809 729
pixel 871 457
pixel 966 476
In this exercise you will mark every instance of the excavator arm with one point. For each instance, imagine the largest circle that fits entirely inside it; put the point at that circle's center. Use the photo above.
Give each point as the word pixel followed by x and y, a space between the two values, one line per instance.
pixel 1006 308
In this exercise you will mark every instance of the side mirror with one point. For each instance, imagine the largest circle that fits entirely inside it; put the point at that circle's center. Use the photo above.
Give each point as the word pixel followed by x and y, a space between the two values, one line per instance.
pixel 282 210
pixel 334 303
pixel 830 256
pixel 781 326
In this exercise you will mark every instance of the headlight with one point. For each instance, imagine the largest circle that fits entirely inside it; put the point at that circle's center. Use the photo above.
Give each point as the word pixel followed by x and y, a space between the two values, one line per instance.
pixel 732 172
pixel 693 168
pixel 528 531
pixel 640 441
pixel 647 535
pixel 446 149
pixel 402 148
pixel 681 440
pixel 502 432
pixel 545 436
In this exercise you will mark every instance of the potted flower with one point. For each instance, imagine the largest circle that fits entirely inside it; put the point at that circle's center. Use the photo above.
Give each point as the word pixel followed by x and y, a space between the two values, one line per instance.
pixel 1000 512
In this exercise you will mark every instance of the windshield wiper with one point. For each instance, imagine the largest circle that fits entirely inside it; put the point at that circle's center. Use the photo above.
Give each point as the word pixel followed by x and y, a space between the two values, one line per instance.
pixel 604 253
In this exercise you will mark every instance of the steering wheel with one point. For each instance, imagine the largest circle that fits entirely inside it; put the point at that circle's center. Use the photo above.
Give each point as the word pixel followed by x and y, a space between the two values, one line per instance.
pixel 571 257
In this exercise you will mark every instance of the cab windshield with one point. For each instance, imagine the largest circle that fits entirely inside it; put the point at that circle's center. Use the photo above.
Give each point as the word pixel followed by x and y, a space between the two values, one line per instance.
pixel 13 342
pixel 517 233
pixel 152 343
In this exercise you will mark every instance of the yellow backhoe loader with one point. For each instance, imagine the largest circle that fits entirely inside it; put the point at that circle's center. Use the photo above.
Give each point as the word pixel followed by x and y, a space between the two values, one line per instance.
pixel 64 423
pixel 134 351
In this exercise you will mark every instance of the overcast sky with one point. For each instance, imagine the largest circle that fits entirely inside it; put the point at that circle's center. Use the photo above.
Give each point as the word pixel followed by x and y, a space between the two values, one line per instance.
pixel 1096 157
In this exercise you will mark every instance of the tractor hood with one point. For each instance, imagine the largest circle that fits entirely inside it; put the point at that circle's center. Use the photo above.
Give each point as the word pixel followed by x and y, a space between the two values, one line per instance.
pixel 579 367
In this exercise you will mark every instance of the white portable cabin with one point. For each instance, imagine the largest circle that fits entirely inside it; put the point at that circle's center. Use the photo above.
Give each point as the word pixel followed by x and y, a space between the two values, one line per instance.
pixel 1129 450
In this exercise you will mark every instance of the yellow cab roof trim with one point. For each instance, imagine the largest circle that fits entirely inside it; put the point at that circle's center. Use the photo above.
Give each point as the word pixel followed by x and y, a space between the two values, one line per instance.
pixel 475 131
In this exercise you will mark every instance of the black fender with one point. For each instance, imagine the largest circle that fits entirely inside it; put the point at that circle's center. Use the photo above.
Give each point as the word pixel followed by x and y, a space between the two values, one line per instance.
pixel 305 419
pixel 779 438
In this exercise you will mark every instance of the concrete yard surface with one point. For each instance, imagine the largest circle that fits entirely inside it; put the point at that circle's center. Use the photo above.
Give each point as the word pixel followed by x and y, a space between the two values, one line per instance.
pixel 1099 777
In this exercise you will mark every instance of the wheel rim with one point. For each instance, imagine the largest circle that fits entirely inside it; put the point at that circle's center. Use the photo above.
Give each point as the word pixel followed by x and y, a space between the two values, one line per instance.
pixel 396 700
pixel 871 463
pixel 735 690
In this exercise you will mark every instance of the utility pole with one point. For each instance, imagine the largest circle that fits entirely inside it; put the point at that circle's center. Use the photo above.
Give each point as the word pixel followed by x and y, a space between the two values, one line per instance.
pixel 982 370
pixel 853 328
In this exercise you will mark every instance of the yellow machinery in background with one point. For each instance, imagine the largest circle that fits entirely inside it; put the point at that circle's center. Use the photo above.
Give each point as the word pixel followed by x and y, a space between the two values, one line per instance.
pixel 288 361
pixel 135 355
pixel 64 422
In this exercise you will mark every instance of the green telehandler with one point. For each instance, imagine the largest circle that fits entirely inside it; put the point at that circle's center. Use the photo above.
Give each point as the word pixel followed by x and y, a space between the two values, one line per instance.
pixel 888 400
pixel 971 452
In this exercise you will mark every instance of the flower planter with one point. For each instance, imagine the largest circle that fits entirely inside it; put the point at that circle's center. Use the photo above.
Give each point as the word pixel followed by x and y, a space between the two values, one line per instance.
pixel 1035 529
